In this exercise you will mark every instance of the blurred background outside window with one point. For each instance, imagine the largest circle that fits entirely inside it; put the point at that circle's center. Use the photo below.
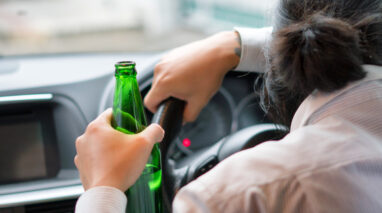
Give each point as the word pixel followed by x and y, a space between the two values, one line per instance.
pixel 69 26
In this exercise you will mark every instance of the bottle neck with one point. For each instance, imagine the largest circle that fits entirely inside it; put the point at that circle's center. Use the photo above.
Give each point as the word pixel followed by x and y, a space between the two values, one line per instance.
pixel 125 73
pixel 128 111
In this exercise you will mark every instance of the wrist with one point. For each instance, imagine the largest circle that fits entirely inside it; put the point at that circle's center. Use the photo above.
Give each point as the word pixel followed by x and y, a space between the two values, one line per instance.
pixel 228 49
pixel 107 182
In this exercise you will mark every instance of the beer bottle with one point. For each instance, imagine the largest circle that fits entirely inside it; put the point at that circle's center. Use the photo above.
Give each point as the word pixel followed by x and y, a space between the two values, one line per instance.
pixel 129 117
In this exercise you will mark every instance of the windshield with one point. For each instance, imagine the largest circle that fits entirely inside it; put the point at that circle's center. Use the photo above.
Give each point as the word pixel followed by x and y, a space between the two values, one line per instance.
pixel 68 26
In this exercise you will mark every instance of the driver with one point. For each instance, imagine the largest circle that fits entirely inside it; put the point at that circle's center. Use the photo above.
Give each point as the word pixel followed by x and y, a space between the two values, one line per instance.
pixel 323 79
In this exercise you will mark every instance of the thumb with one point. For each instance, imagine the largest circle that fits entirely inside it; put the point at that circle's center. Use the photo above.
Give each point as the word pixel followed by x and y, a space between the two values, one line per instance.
pixel 153 133
pixel 106 116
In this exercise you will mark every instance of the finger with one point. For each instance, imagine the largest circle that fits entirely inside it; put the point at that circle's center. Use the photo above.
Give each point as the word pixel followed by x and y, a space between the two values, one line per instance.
pixel 154 133
pixel 154 97
pixel 76 161
pixel 84 182
pixel 106 116
pixel 192 111
pixel 78 141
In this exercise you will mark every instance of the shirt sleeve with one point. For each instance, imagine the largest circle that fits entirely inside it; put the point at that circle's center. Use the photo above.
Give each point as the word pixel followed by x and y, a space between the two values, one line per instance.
pixel 254 42
pixel 196 198
pixel 102 199
pixel 190 199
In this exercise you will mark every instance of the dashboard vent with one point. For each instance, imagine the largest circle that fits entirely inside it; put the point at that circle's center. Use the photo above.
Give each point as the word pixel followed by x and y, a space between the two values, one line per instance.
pixel 65 206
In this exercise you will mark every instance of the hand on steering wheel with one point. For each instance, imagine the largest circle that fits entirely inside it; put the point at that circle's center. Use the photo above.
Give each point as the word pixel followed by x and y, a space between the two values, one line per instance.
pixel 193 73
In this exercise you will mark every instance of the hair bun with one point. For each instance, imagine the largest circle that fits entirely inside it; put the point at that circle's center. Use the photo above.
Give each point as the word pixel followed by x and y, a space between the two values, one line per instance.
pixel 321 53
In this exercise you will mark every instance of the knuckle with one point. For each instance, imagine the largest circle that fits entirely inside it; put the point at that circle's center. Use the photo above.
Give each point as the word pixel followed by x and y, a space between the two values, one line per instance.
pixel 93 127
pixel 76 160
pixel 77 143
pixel 143 140
pixel 158 68
pixel 162 80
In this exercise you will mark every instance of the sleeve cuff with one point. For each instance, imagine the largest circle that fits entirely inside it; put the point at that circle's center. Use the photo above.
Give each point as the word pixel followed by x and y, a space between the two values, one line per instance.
pixel 253 46
pixel 102 199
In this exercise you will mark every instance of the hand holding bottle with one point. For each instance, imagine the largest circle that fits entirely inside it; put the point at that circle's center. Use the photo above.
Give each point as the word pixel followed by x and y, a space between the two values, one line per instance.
pixel 105 155
pixel 194 73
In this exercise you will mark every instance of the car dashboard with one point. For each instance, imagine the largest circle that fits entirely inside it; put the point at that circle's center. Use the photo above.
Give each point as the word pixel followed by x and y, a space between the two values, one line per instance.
pixel 58 95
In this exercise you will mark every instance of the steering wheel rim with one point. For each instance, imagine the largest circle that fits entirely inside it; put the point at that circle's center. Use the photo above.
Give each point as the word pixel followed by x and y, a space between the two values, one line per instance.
pixel 169 116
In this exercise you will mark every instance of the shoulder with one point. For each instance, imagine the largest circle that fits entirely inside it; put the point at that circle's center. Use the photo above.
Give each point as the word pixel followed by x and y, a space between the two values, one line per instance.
pixel 303 150
pixel 275 167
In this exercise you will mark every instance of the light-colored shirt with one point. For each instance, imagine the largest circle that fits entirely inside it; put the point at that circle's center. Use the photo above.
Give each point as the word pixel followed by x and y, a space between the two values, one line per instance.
pixel 254 47
pixel 331 161
pixel 102 199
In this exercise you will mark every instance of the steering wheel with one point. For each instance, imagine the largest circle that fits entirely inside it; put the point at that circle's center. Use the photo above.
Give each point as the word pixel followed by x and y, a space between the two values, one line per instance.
pixel 169 116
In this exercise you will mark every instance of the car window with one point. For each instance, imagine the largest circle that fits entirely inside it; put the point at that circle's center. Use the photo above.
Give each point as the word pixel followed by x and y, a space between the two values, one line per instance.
pixel 68 26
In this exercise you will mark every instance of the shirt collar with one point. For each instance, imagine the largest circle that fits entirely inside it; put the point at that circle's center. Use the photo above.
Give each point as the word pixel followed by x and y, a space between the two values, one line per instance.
pixel 318 99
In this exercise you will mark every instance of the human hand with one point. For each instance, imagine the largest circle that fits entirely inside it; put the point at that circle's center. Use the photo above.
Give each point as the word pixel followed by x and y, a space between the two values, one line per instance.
pixel 107 157
pixel 194 73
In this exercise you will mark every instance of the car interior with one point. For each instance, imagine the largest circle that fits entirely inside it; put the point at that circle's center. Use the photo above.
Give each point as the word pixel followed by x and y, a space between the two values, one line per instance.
pixel 44 116
pixel 47 100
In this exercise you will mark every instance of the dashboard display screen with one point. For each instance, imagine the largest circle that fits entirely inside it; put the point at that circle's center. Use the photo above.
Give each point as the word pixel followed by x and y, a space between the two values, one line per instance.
pixel 21 151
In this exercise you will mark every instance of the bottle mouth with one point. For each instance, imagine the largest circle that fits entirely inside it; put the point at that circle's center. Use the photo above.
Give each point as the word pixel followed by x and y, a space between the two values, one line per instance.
pixel 125 67
pixel 126 63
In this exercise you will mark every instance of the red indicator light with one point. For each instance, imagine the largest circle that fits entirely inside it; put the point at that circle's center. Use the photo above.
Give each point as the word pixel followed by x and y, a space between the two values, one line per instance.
pixel 186 142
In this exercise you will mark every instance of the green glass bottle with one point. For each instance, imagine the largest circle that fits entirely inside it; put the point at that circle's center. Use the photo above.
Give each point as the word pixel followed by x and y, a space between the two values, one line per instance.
pixel 129 117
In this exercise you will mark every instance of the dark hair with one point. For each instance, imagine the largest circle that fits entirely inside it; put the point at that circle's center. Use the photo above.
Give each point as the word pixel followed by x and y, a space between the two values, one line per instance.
pixel 318 45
